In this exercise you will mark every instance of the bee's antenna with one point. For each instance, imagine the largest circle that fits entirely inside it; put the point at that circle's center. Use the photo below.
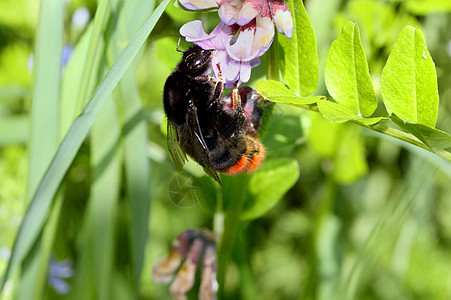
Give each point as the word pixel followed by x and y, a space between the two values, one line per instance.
pixel 178 44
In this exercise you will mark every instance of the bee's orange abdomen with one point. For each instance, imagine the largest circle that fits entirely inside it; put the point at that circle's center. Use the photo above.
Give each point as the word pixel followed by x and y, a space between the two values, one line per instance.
pixel 250 160
pixel 238 167
pixel 257 158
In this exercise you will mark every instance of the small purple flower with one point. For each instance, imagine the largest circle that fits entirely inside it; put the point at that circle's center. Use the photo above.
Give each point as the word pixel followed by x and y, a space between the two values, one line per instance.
pixel 235 57
pixel 58 270
pixel 241 12
pixel 66 54
pixel 80 18
pixel 219 39
pixel 190 246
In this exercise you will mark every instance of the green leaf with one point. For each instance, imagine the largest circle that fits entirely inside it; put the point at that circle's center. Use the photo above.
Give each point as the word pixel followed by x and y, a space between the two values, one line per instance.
pixel 338 113
pixel 409 80
pixel 432 137
pixel 277 92
pixel 268 185
pixel 37 211
pixel 347 77
pixel 300 57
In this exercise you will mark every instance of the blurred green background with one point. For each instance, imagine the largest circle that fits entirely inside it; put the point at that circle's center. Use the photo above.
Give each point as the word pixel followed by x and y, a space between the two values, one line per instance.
pixel 368 218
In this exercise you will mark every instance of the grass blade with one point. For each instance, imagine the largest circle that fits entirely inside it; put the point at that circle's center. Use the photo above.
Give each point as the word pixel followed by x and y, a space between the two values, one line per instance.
pixel 44 131
pixel 44 106
pixel 94 49
pixel 97 253
pixel 137 167
pixel 38 209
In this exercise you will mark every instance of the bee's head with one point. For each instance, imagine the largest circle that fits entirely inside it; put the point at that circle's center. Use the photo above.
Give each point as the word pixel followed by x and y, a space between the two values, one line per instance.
pixel 196 61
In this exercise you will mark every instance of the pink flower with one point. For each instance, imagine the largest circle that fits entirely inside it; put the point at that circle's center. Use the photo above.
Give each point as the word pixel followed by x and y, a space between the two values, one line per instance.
pixel 236 57
pixel 234 64
pixel 241 12
pixel 190 246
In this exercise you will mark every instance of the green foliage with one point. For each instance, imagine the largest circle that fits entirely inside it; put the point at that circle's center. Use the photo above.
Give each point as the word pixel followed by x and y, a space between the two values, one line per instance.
pixel 268 185
pixel 35 216
pixel 275 91
pixel 300 58
pixel 409 89
pixel 339 113
pixel 347 77
pixel 409 80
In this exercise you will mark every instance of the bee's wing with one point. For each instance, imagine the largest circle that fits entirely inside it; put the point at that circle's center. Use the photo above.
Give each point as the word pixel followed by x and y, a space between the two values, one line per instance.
pixel 200 150
pixel 178 155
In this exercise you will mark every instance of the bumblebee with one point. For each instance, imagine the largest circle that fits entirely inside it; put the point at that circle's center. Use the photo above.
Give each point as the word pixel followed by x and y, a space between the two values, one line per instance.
pixel 219 132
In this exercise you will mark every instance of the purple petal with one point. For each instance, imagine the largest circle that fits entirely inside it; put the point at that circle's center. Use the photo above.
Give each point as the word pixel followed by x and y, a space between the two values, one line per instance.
pixel 231 74
pixel 264 35
pixel 284 22
pixel 228 11
pixel 193 31
pixel 66 54
pixel 255 62
pixel 242 48
pixel 198 4
pixel 61 269
pixel 59 285
pixel 245 71
pixel 217 39
pixel 247 13
pixel 221 58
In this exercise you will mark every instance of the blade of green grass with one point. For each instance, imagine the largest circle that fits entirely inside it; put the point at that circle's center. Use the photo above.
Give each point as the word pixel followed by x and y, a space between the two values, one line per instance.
pixel 137 165
pixel 73 77
pixel 95 49
pixel 137 170
pixel 37 211
pixel 34 274
pixel 98 234
pixel 44 132
pixel 44 105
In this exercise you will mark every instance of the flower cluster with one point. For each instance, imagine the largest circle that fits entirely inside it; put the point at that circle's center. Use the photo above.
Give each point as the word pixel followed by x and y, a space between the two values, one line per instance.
pixel 189 246
pixel 253 23
pixel 59 270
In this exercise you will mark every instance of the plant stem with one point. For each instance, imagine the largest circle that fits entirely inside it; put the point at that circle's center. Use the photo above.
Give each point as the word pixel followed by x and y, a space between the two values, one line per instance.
pixel 395 133
pixel 234 191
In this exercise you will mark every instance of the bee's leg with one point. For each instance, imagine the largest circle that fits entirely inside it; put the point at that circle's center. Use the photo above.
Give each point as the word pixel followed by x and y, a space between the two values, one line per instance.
pixel 219 85
pixel 219 88
pixel 220 72
pixel 236 98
